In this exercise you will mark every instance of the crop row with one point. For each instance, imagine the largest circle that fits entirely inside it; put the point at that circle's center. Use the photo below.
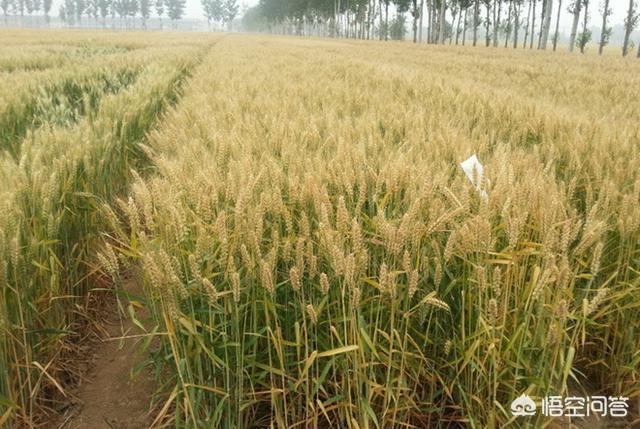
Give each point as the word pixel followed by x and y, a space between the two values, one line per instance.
pixel 314 256
pixel 51 222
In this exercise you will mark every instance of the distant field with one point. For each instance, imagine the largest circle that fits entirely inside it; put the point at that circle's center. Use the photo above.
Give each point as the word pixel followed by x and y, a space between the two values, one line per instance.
pixel 310 250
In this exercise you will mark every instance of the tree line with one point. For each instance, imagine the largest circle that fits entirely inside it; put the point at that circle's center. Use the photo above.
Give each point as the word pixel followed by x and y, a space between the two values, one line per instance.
pixel 28 7
pixel 96 12
pixel 220 11
pixel 526 24
pixel 128 12
pixel 72 11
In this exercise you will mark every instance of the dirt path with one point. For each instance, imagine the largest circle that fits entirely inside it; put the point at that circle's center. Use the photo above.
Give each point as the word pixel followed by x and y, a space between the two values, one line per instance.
pixel 110 397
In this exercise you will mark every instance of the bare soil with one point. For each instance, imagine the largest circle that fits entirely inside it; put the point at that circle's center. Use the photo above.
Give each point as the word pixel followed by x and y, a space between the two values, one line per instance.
pixel 110 395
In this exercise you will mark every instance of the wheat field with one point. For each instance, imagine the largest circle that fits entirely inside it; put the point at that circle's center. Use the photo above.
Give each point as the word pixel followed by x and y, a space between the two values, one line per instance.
pixel 312 254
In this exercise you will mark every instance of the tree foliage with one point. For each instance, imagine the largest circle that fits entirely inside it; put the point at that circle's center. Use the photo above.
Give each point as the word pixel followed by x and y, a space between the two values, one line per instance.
pixel 175 9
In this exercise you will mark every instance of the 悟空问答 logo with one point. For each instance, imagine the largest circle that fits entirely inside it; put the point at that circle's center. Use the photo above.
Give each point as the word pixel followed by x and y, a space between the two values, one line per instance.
pixel 523 405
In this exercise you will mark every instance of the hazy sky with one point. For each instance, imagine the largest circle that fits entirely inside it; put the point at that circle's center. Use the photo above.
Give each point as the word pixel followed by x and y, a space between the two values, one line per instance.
pixel 619 8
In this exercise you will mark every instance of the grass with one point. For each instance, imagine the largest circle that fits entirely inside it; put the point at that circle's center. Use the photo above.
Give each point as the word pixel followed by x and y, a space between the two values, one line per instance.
pixel 311 251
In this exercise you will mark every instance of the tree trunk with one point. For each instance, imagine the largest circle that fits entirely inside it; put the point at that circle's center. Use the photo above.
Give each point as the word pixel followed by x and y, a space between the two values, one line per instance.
pixel 584 25
pixel 436 23
pixel 574 27
pixel 547 25
pixel 454 12
pixel 508 32
pixel 464 31
pixel 476 13
pixel 421 18
pixel 386 20
pixel 443 5
pixel 605 12
pixel 458 26
pixel 380 34
pixel 372 17
pixel 516 24
pixel 348 22
pixel 414 13
pixel 627 29
pixel 487 23
pixel 529 25
pixel 497 4
pixel 533 24
pixel 542 15
pixel 430 20
pixel 556 34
